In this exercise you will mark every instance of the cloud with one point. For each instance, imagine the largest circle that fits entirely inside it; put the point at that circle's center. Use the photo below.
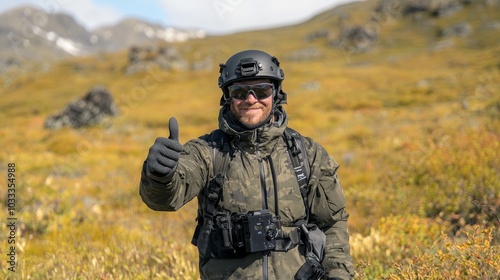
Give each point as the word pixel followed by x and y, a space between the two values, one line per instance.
pixel 214 16
pixel 88 13
pixel 224 16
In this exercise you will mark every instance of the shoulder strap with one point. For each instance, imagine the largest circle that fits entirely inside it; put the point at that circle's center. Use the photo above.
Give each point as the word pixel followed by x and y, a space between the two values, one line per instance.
pixel 300 161
pixel 221 153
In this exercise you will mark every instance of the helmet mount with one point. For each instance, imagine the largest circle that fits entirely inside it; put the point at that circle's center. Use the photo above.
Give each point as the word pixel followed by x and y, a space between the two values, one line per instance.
pixel 249 67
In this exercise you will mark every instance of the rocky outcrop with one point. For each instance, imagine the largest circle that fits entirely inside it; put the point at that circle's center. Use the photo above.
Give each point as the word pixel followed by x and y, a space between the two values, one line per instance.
pixel 356 39
pixel 415 8
pixel 141 59
pixel 460 30
pixel 96 106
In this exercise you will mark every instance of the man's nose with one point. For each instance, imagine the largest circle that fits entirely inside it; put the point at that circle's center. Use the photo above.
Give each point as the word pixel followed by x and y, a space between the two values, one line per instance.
pixel 251 97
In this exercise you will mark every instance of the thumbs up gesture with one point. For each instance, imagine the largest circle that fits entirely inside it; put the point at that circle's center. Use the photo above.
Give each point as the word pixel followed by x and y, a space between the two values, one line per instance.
pixel 165 152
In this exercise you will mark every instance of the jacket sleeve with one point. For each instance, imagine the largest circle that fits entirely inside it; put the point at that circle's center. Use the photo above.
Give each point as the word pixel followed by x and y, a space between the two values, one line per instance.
pixel 328 203
pixel 191 174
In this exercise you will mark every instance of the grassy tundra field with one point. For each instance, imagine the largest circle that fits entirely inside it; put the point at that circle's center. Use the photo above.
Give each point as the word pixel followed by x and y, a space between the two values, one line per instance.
pixel 414 123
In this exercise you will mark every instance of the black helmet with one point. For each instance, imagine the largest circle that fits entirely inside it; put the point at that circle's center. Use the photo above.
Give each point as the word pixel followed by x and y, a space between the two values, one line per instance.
pixel 251 64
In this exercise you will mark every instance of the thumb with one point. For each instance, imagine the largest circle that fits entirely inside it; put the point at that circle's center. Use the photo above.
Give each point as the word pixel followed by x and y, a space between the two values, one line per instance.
pixel 173 127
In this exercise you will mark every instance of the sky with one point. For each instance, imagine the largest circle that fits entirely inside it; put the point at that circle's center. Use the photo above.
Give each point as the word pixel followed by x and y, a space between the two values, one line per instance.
pixel 213 16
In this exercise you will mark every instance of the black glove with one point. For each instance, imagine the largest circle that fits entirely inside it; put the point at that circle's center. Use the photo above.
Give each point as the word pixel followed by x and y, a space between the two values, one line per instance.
pixel 165 152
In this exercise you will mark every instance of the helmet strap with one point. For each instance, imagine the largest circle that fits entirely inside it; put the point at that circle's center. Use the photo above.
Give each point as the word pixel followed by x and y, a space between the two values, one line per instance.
pixel 280 97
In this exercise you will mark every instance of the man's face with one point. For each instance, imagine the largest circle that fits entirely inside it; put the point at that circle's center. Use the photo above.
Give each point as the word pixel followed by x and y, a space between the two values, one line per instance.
pixel 252 111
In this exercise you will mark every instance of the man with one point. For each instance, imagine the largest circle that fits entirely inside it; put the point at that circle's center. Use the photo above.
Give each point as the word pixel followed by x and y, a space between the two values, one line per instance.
pixel 253 221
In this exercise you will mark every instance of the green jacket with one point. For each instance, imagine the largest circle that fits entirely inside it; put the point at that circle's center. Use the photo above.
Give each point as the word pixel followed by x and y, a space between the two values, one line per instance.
pixel 242 192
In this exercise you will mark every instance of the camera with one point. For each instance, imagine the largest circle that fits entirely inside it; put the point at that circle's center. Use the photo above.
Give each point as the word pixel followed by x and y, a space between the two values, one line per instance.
pixel 241 233
pixel 260 230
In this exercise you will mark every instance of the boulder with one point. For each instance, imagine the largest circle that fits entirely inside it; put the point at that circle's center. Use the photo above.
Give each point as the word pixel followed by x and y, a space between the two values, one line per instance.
pixel 96 106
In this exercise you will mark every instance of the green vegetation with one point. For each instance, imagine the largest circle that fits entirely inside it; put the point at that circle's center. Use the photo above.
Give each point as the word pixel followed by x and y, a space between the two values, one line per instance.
pixel 416 131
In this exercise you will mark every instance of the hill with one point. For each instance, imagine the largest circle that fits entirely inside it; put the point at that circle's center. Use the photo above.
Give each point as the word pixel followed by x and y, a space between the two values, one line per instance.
pixel 404 94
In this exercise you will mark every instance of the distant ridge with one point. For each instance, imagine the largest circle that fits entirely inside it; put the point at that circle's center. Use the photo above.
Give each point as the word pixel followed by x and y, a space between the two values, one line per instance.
pixel 28 33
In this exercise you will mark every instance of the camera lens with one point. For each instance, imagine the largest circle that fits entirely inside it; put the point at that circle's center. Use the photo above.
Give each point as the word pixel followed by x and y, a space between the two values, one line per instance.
pixel 271 233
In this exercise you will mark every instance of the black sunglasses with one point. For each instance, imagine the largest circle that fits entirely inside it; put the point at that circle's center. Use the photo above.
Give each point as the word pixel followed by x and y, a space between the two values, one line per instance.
pixel 260 91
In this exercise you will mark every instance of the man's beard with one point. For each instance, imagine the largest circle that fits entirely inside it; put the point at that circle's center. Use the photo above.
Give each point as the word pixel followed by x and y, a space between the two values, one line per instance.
pixel 265 118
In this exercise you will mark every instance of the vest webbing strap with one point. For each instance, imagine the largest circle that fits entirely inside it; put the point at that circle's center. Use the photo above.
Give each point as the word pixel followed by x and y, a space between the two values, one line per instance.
pixel 300 162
